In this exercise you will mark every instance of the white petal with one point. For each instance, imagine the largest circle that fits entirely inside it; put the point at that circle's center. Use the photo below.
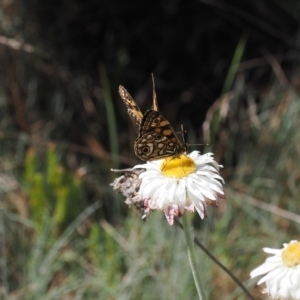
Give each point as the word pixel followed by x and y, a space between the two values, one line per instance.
pixel 172 191
pixel 181 193
pixel 200 207
pixel 194 190
pixel 272 251
pixel 264 268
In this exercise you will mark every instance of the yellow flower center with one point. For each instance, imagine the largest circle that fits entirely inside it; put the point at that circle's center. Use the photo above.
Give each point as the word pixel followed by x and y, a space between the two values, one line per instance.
pixel 291 255
pixel 178 167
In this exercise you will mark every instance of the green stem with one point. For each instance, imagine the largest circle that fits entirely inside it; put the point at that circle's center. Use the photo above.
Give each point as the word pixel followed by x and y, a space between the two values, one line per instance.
pixel 192 256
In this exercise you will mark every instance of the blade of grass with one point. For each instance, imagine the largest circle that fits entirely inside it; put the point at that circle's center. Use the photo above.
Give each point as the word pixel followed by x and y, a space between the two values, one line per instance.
pixel 216 119
pixel 234 65
pixel 111 119
pixel 3 261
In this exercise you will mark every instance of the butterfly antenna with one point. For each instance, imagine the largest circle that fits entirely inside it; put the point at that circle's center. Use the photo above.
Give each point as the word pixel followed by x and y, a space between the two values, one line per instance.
pixel 184 138
pixel 184 134
pixel 155 104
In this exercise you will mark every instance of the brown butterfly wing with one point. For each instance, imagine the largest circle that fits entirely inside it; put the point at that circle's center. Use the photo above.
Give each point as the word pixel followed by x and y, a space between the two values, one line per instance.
pixel 132 109
pixel 157 138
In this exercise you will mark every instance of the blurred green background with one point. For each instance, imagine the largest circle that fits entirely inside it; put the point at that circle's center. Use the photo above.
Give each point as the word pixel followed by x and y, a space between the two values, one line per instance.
pixel 227 70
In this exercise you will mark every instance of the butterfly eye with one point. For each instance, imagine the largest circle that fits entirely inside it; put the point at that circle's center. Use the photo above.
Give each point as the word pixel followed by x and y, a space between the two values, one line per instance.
pixel 156 121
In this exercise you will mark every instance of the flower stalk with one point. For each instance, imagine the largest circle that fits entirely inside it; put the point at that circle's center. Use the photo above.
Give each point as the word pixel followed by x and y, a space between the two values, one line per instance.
pixel 192 256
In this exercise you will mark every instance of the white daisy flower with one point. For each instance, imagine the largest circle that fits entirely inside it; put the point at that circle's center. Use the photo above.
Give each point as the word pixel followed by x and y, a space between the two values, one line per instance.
pixel 282 272
pixel 177 183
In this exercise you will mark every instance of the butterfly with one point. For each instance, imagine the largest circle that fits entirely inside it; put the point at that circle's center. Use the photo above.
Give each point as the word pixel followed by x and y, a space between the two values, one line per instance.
pixel 157 138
